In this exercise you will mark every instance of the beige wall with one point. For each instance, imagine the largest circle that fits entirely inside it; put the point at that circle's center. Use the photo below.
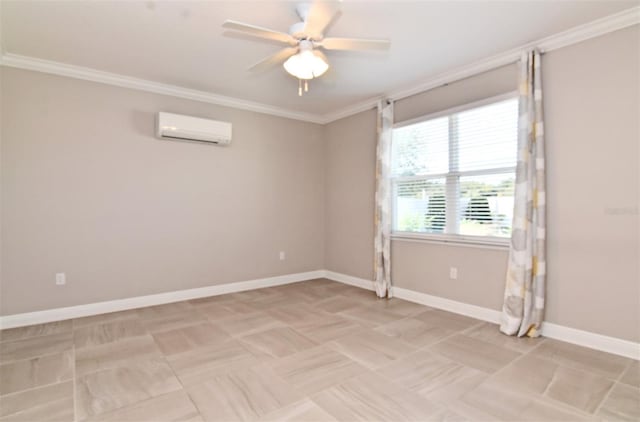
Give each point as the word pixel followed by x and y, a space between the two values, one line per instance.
pixel 479 87
pixel 592 95
pixel 350 160
pixel 592 112
pixel 88 190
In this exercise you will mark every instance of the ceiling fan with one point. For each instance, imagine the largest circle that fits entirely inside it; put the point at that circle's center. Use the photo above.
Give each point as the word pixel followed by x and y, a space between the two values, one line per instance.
pixel 303 57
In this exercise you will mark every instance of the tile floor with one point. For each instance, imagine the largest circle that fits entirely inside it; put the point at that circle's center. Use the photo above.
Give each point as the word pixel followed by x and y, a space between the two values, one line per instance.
pixel 315 350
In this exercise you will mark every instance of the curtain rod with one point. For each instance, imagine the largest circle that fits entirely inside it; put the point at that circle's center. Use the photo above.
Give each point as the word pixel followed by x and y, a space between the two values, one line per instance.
pixel 466 75
pixel 393 98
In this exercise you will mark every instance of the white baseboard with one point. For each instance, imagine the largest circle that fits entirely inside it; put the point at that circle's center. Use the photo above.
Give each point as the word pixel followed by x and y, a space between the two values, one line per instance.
pixel 614 345
pixel 59 314
pixel 350 280
pixel 570 335
pixel 473 311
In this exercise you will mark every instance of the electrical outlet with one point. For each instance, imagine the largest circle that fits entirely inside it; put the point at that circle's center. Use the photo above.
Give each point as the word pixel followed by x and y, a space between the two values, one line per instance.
pixel 61 279
pixel 283 256
pixel 453 273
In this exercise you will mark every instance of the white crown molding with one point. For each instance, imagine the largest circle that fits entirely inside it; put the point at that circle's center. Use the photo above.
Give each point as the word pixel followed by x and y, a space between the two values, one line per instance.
pixel 596 28
pixel 572 36
pixel 588 339
pixel 351 110
pixel 94 75
pixel 60 314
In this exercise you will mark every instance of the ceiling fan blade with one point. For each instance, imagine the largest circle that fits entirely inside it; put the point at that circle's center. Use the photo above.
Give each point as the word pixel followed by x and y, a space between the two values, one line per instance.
pixel 273 60
pixel 260 32
pixel 321 55
pixel 354 44
pixel 320 15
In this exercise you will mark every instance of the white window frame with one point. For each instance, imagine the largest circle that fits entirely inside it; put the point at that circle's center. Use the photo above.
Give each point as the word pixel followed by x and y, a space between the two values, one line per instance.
pixel 451 213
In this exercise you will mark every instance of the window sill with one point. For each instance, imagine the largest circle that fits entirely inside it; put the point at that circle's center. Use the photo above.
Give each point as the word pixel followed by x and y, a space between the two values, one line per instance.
pixel 449 240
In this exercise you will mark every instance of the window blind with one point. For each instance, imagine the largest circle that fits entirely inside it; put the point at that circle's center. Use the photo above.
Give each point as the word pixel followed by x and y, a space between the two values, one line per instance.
pixel 455 174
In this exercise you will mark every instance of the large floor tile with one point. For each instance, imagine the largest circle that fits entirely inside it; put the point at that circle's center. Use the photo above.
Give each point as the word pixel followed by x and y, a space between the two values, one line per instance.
pixel 302 411
pixel 399 306
pixel 451 383
pixel 243 308
pixel 312 294
pixel 369 397
pixel 371 348
pixel 579 389
pixel 416 370
pixel 579 357
pixel 315 350
pixel 492 399
pixel 49 403
pixel 171 407
pixel 296 315
pixel 371 317
pixel 491 333
pixel 256 295
pixel 543 411
pixel 249 324
pixel 36 372
pixel 210 361
pixel 329 328
pixel 217 312
pixel 573 388
pixel 470 413
pixel 364 296
pixel 278 342
pixel 20 333
pixel 432 376
pixel 242 396
pixel 447 320
pixel 114 388
pixel 337 304
pixel 32 347
pixel 521 409
pixel 474 353
pixel 276 301
pixel 95 335
pixel 173 321
pixel 190 337
pixel 316 369
pixel 415 331
pixel 632 375
pixel 527 374
pixel 622 404
pixel 104 318
pixel 114 354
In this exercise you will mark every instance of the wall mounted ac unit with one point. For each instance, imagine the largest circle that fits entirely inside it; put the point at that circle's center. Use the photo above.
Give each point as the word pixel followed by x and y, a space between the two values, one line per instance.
pixel 187 128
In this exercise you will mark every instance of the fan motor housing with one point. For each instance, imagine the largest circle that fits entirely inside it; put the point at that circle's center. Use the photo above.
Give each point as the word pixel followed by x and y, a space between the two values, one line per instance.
pixel 297 30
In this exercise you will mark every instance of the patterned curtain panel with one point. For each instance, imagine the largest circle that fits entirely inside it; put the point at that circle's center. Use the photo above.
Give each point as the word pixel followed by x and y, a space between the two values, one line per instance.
pixel 523 308
pixel 382 262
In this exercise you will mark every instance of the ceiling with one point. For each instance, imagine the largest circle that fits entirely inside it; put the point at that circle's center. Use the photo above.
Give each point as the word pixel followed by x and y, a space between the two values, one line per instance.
pixel 184 44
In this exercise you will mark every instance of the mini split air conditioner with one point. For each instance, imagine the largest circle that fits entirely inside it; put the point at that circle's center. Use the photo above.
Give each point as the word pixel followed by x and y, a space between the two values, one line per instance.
pixel 187 128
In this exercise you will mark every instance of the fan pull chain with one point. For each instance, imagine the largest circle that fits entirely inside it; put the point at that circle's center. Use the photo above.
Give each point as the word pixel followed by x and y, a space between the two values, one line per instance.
pixel 306 87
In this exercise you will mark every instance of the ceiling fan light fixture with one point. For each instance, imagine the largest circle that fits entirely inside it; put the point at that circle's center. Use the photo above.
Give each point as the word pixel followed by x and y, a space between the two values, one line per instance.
pixel 306 65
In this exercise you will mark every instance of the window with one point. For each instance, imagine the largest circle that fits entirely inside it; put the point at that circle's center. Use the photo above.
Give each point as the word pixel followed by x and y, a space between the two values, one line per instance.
pixel 453 175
